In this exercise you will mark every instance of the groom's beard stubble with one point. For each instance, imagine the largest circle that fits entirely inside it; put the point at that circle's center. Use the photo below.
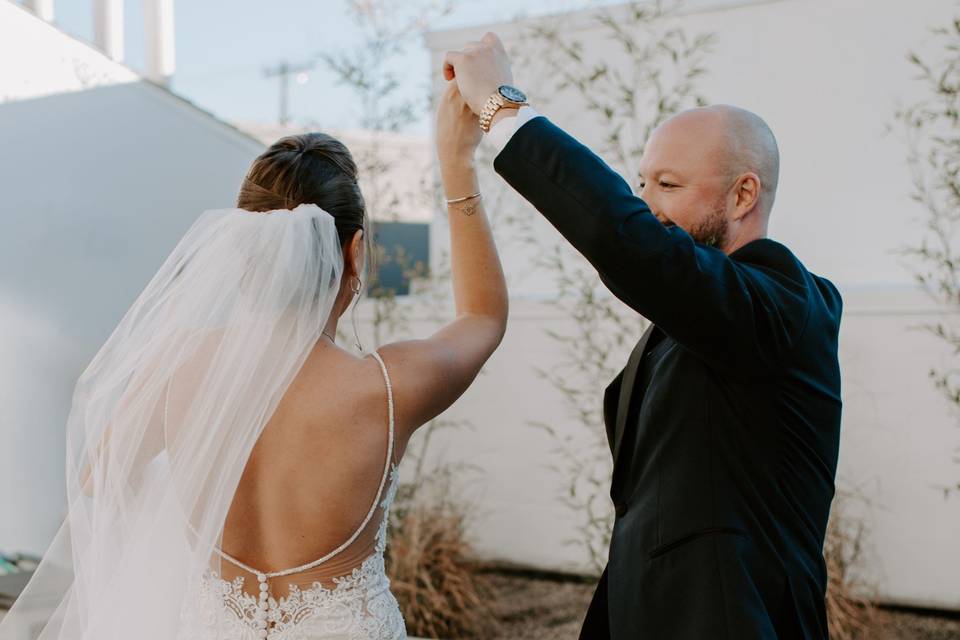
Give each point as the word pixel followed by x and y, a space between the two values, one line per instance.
pixel 712 230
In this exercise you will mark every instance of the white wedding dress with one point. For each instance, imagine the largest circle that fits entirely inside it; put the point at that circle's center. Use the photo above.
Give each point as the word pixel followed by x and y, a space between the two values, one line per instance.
pixel 359 606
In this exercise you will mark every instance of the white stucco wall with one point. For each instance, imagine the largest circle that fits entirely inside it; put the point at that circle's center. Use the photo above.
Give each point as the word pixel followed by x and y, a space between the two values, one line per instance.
pixel 896 447
pixel 101 173
pixel 828 76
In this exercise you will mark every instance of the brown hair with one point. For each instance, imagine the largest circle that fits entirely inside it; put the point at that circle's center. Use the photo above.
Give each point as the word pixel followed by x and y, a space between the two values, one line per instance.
pixel 309 168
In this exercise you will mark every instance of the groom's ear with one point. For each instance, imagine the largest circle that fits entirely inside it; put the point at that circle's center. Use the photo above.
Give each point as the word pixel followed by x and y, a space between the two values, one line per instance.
pixel 746 194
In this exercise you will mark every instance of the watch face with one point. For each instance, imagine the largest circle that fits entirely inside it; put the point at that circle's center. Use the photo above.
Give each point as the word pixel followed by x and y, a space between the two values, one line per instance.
pixel 512 94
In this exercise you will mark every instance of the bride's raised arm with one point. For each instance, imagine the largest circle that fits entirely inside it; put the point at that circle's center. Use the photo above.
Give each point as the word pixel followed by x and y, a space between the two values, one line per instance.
pixel 431 373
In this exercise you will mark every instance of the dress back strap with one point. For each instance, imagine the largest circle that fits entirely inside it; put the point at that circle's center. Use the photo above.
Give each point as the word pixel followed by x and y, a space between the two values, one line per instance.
pixel 390 411
pixel 262 575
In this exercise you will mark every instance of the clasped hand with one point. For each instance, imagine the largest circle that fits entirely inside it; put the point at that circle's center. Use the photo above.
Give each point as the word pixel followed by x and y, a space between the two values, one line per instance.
pixel 472 73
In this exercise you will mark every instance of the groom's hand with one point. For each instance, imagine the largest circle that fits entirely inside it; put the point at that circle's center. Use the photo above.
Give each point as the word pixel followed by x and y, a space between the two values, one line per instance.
pixel 479 68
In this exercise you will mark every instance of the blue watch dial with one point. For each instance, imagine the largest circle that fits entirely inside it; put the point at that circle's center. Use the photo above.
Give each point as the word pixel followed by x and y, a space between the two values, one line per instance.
pixel 512 94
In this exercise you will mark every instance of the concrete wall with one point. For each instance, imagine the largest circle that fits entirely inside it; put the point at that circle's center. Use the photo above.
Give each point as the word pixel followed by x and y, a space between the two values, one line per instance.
pixel 828 76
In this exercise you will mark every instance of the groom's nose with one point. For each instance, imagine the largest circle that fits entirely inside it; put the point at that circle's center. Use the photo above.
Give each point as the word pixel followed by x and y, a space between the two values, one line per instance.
pixel 655 210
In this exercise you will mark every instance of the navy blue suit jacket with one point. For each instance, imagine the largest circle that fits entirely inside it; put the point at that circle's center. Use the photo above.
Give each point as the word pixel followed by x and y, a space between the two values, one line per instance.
pixel 725 453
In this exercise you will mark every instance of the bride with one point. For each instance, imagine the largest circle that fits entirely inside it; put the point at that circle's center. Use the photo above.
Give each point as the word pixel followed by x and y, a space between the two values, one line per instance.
pixel 230 468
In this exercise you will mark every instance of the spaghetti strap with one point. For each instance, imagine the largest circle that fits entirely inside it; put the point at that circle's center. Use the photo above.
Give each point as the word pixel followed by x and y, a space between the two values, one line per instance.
pixel 390 410
pixel 263 575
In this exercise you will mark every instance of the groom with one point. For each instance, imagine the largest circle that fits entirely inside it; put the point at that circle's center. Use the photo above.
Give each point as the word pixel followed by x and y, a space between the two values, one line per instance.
pixel 724 425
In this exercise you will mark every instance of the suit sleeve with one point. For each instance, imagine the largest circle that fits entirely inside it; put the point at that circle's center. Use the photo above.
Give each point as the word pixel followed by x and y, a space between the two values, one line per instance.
pixel 743 315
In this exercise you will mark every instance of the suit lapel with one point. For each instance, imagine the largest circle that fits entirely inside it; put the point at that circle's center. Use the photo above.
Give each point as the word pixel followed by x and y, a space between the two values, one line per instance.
pixel 626 389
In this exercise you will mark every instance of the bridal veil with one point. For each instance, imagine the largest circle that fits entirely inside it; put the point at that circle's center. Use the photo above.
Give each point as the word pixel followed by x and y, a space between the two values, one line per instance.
pixel 221 329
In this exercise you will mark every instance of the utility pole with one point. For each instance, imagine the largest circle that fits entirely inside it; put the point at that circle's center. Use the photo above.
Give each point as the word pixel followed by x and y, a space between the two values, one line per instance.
pixel 283 71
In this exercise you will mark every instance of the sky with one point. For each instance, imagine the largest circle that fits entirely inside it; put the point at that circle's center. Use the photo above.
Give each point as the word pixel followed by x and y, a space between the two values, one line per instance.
pixel 223 47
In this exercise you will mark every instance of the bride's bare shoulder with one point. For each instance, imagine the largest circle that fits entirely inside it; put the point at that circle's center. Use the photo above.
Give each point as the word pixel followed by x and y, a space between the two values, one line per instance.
pixel 332 372
pixel 427 376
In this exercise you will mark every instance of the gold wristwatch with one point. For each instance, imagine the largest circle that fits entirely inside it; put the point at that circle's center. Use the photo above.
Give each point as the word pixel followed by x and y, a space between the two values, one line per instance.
pixel 505 96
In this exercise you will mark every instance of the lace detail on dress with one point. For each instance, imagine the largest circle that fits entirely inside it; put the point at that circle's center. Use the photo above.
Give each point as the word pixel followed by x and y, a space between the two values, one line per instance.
pixel 359 606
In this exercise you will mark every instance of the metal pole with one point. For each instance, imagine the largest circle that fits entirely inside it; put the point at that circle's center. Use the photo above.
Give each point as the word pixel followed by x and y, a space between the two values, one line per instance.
pixel 284 93
pixel 283 71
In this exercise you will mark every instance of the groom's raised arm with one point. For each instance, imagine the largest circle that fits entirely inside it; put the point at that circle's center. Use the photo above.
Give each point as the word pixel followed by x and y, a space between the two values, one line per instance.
pixel 743 314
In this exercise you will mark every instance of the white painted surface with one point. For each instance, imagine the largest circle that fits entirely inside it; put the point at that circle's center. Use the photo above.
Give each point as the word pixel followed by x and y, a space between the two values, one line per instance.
pixel 101 174
pixel 108 27
pixel 896 444
pixel 159 40
pixel 58 63
pixel 43 8
pixel 828 76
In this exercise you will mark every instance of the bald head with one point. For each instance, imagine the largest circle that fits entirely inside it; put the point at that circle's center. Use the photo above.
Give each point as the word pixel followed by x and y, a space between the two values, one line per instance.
pixel 737 140
pixel 713 171
pixel 751 147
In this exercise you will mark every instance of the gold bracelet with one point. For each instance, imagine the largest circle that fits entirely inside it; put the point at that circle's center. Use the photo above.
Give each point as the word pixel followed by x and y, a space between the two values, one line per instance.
pixel 464 198
pixel 468 208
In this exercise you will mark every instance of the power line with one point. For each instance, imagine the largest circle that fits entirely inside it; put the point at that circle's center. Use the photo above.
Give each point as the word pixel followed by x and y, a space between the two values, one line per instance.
pixel 283 71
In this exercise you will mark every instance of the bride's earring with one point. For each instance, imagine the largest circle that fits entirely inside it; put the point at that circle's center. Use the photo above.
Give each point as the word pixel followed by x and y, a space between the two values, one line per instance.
pixel 353 316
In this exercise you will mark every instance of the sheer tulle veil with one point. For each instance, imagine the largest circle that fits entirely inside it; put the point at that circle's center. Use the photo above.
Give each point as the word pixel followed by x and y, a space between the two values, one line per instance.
pixel 220 330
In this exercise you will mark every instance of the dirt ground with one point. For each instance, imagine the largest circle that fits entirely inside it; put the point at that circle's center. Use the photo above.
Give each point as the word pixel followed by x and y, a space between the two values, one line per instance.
pixel 541 608
pixel 531 608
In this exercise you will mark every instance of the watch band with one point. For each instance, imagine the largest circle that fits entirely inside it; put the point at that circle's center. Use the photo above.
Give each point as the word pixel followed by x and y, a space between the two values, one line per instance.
pixel 493 104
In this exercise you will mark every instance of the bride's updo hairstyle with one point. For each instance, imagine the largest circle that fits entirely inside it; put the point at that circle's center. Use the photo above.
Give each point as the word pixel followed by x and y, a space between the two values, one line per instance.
pixel 309 168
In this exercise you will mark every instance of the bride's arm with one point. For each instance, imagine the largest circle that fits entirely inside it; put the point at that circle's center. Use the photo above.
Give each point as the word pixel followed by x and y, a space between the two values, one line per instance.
pixel 140 449
pixel 432 373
